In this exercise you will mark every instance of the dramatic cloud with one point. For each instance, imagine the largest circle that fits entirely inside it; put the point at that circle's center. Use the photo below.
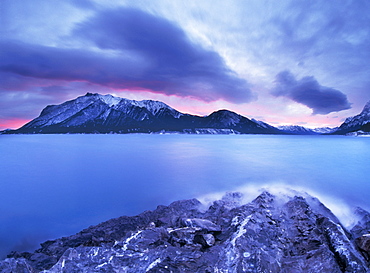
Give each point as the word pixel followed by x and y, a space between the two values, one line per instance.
pixel 137 51
pixel 203 54
pixel 322 100
pixel 66 64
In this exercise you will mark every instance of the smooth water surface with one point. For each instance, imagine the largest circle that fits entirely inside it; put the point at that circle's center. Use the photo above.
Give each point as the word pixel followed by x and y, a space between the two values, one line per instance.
pixel 56 185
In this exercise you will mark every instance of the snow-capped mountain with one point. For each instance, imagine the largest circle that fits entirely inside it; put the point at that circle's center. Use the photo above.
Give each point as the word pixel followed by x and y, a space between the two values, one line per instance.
pixel 324 130
pixel 226 119
pixel 300 130
pixel 95 113
pixel 296 130
pixel 356 123
pixel 100 113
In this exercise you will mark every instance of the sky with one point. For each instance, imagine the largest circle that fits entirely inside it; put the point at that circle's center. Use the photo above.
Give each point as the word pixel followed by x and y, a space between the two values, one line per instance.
pixel 283 62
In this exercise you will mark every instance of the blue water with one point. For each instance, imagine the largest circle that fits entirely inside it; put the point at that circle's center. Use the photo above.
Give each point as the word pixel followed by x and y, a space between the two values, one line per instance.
pixel 56 185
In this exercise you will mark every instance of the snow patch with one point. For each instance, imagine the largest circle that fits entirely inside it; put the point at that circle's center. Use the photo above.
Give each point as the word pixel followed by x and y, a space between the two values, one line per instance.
pixel 153 264
pixel 101 265
pixel 110 100
pixel 133 236
pixel 241 230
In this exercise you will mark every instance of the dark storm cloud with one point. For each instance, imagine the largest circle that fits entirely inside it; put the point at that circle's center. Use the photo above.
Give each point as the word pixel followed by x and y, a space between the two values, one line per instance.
pixel 17 103
pixel 59 63
pixel 322 100
pixel 138 51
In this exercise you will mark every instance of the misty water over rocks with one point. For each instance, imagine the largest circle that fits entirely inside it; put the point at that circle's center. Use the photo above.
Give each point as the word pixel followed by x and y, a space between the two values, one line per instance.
pixel 57 185
pixel 288 232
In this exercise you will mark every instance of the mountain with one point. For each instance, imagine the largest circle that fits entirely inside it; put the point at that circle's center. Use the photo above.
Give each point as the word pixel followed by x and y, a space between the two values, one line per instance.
pixel 227 119
pixel 356 125
pixel 273 233
pixel 360 122
pixel 98 113
pixel 324 130
pixel 300 130
pixel 95 113
pixel 296 130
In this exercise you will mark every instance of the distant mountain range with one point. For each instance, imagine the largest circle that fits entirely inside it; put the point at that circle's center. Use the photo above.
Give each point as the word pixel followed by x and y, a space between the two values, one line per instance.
pixel 95 113
pixel 300 130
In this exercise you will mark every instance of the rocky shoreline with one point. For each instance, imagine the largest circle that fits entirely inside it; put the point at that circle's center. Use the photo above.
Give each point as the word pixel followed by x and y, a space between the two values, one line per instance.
pixel 270 234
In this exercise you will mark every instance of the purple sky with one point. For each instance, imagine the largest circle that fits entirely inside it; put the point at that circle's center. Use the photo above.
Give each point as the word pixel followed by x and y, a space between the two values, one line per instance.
pixel 283 62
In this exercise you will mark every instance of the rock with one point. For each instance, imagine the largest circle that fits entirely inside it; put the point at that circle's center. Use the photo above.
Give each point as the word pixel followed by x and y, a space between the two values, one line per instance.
pixel 206 240
pixel 201 224
pixel 363 243
pixel 270 234
pixel 182 236
pixel 345 253
pixel 363 224
pixel 16 266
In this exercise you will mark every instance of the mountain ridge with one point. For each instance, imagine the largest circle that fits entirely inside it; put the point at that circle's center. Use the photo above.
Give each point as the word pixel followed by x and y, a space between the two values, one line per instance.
pixel 95 113
pixel 360 122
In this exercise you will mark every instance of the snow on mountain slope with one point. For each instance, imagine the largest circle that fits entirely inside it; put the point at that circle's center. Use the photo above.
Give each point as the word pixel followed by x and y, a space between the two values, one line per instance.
pixel 224 118
pixel 301 130
pixel 262 124
pixel 324 130
pixel 109 99
pixel 295 129
pixel 96 107
pixel 355 123
pixel 54 114
pixel 156 106
pixel 95 113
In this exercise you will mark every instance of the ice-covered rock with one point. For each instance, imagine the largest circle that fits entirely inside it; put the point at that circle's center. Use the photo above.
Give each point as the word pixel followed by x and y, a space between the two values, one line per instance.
pixel 270 234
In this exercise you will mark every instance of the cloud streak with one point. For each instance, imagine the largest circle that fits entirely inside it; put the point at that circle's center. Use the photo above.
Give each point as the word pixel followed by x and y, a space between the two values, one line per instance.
pixel 137 50
pixel 202 53
pixel 307 91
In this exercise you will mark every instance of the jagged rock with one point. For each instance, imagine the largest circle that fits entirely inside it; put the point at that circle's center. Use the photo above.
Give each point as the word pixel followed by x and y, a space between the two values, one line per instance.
pixel 270 234
pixel 363 225
pixel 348 259
pixel 201 224
pixel 16 265
pixel 363 244
pixel 206 240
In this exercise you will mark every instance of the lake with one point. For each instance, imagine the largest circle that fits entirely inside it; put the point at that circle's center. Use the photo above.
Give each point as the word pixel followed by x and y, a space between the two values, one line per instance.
pixel 57 185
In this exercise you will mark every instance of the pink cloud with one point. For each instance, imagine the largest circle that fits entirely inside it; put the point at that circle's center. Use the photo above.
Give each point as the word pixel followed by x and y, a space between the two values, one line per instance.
pixel 12 123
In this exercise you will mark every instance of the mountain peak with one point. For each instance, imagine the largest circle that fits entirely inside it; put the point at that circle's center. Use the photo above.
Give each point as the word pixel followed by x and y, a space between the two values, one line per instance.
pixel 295 129
pixel 96 113
pixel 357 122
pixel 225 112
pixel 225 117
pixel 109 99
pixel 366 108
